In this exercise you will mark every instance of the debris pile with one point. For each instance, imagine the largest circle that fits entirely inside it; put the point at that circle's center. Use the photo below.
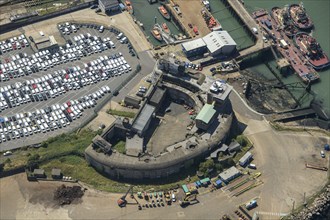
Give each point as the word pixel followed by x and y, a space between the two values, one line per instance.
pixel 318 209
pixel 64 195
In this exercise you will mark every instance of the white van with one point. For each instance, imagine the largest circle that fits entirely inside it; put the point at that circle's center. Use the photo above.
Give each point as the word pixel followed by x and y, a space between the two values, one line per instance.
pixel 123 40
pixel 101 29
pixel 173 197
pixel 41 33
pixel 119 36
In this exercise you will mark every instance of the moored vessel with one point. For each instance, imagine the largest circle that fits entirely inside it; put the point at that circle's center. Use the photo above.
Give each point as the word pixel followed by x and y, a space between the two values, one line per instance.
pixel 165 28
pixel 129 7
pixel 312 50
pixel 299 16
pixel 282 19
pixel 156 33
pixel 164 12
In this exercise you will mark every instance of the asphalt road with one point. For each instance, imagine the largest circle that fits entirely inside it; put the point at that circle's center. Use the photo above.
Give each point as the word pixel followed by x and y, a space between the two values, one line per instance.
pixel 114 83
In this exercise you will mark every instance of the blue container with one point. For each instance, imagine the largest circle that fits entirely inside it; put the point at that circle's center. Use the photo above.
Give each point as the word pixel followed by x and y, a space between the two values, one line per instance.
pixel 327 147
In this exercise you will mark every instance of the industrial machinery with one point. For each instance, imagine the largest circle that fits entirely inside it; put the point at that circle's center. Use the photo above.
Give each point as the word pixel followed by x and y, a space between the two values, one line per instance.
pixel 122 202
pixel 188 200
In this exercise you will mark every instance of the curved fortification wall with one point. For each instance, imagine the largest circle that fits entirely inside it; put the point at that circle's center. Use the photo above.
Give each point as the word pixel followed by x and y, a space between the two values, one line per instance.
pixel 120 166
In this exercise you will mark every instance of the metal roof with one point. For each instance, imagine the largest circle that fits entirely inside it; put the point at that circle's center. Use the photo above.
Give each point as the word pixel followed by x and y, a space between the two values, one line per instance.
pixel 109 3
pixel 193 44
pixel 230 173
pixel 246 157
pixel 157 96
pixel 218 39
pixel 143 118
pixel 206 113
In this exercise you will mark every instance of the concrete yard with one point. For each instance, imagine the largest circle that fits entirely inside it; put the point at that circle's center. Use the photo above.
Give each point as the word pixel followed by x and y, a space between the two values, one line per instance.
pixel 191 14
pixel 172 128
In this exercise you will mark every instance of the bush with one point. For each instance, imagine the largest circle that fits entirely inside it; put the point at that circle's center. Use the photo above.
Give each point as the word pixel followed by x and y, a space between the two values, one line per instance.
pixel 34 158
pixel 205 166
pixel 242 140
pixel 44 144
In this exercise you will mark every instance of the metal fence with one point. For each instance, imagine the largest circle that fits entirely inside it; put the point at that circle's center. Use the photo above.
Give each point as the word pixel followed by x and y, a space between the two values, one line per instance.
pixel 12 26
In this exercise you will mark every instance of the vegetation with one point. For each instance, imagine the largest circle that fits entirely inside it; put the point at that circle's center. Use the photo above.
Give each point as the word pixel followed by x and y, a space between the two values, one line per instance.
pixel 120 147
pixel 66 153
pixel 65 144
pixel 246 145
pixel 206 166
pixel 280 127
pixel 121 113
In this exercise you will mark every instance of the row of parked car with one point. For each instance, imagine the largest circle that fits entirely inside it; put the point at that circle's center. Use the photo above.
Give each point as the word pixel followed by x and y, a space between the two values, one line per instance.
pixel 61 81
pixel 22 64
pixel 47 119
pixel 14 43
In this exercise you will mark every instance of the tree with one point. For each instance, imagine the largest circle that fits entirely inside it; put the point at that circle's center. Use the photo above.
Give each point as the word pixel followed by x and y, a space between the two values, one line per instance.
pixel 44 144
pixel 205 166
pixel 241 139
pixel 33 162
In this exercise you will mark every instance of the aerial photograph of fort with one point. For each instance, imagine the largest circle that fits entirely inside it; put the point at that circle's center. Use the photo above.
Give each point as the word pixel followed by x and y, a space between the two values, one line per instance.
pixel 165 109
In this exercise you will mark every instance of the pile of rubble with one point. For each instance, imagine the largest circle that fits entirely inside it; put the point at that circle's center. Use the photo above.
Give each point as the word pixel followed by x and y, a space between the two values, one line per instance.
pixel 318 209
pixel 64 195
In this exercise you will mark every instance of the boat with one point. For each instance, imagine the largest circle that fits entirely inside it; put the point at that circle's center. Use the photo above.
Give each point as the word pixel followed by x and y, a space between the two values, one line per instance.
pixel 164 12
pixel 282 19
pixel 312 50
pixel 299 17
pixel 165 28
pixel 288 50
pixel 129 7
pixel 156 33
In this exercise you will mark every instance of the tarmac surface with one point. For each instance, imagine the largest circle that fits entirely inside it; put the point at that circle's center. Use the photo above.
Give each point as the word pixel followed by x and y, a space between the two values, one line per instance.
pixel 146 62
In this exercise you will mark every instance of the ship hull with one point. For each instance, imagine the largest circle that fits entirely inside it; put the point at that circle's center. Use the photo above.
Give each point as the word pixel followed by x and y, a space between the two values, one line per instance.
pixel 166 16
pixel 289 29
pixel 303 26
pixel 321 62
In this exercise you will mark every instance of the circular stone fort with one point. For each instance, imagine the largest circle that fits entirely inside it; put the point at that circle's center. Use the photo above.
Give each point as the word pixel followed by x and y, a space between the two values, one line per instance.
pixel 182 118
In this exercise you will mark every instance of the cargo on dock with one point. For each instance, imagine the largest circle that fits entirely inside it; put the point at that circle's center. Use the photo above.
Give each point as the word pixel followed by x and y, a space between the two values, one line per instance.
pixel 286 47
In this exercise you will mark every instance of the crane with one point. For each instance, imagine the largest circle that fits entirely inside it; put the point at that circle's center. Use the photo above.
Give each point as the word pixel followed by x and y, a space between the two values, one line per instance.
pixel 122 202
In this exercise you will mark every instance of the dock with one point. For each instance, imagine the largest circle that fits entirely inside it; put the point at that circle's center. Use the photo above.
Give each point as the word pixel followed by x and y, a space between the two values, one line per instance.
pixel 250 23
pixel 286 47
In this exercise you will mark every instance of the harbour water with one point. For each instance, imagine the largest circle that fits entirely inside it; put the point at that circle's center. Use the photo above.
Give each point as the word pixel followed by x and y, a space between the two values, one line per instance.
pixel 319 11
pixel 230 24
pixel 148 14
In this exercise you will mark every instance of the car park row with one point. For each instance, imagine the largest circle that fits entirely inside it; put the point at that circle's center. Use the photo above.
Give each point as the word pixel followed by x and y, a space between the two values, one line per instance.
pixel 47 119
pixel 14 43
pixel 84 45
pixel 61 81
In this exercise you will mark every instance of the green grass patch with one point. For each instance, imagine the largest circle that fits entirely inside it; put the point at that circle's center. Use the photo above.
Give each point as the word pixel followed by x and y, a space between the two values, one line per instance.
pixel 65 144
pixel 121 113
pixel 120 147
pixel 77 168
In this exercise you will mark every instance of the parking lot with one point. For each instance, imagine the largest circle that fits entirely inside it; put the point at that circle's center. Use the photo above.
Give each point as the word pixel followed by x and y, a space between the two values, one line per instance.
pixel 47 93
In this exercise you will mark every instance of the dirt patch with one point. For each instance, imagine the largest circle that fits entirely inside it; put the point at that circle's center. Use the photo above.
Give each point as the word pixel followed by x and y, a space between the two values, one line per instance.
pixel 65 195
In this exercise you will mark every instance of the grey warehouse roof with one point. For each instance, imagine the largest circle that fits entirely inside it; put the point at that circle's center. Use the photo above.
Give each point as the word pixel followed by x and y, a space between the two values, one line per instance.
pixel 193 44
pixel 217 39
pixel 143 118
pixel 157 96
pixel 245 157
pixel 109 3
pixel 230 173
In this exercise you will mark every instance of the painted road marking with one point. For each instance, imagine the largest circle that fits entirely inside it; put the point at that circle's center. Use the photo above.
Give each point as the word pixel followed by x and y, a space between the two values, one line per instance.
pixel 273 213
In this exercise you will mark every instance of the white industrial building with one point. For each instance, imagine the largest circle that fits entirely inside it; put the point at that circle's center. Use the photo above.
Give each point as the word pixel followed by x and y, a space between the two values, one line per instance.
pixel 219 42
pixel 216 43
pixel 194 47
